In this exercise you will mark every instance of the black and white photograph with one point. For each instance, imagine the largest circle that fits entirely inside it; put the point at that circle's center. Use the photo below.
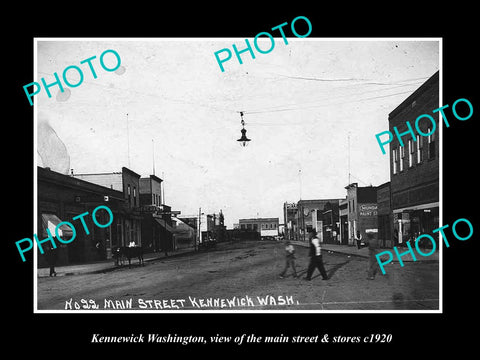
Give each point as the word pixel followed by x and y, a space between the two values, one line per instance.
pixel 294 178
pixel 173 177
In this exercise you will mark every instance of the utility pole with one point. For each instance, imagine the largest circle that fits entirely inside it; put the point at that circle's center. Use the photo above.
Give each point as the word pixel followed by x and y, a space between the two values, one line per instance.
pixel 128 144
pixel 300 182
pixel 163 188
pixel 153 157
pixel 349 182
pixel 199 228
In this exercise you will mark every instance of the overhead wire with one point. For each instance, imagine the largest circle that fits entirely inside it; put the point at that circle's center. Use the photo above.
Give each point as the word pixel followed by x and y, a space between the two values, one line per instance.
pixel 294 106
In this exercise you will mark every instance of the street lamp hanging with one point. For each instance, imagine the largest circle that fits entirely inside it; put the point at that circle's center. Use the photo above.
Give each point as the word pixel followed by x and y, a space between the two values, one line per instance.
pixel 243 139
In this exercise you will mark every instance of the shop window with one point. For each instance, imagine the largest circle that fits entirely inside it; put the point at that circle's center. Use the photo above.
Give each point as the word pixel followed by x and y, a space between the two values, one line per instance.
pixel 431 145
pixel 410 153
pixel 402 157
pixel 394 160
pixel 419 149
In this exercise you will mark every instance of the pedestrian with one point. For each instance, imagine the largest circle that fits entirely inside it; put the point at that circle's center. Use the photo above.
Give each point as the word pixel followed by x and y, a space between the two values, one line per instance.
pixel 372 244
pixel 358 239
pixel 289 259
pixel 51 255
pixel 316 260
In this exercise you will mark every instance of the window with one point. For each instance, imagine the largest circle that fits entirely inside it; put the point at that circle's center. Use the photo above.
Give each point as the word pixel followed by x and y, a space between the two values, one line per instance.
pixel 128 193
pixel 134 196
pixel 419 149
pixel 410 153
pixel 394 161
pixel 431 145
pixel 402 157
pixel 242 226
pixel 153 199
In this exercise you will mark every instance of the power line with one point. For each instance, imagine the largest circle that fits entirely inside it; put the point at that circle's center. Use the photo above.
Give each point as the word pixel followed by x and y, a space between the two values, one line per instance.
pixel 323 105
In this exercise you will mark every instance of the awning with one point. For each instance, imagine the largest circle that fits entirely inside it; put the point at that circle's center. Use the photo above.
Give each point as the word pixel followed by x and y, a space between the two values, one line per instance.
pixel 50 222
pixel 165 225
pixel 417 207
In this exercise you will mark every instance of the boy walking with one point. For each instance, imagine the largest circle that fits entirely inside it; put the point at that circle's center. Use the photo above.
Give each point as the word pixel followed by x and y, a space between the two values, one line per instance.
pixel 316 260
pixel 289 259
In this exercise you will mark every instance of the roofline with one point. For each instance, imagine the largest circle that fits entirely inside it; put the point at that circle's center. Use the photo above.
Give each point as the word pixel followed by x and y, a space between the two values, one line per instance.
pixel 260 219
pixel 314 200
pixel 154 177
pixel 424 87
pixel 78 181
pixel 130 171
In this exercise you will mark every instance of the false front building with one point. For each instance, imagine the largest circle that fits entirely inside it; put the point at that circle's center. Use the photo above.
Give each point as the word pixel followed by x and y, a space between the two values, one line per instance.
pixel 128 223
pixel 362 211
pixel 157 226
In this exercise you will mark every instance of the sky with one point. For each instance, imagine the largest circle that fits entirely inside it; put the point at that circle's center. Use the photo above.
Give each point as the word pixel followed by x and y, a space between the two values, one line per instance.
pixel 303 104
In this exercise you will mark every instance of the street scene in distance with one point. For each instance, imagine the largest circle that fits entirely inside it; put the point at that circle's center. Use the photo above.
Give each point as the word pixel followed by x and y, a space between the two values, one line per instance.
pixel 258 189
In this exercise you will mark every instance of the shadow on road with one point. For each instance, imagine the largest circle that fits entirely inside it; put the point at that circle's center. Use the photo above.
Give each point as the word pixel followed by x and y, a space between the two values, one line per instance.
pixel 331 270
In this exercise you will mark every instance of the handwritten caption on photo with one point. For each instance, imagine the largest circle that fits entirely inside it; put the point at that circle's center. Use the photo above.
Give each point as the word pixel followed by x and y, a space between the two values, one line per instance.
pixel 181 303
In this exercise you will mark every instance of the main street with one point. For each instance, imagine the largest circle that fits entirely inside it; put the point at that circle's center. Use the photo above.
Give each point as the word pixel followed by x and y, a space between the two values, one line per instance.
pixel 246 273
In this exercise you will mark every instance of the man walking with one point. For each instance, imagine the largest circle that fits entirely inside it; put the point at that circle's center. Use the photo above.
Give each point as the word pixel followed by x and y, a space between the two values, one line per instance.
pixel 289 260
pixel 315 256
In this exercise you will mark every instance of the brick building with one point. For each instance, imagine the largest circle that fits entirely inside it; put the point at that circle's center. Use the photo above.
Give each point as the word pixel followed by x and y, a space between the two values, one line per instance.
pixel 321 215
pixel 385 223
pixel 61 198
pixel 414 167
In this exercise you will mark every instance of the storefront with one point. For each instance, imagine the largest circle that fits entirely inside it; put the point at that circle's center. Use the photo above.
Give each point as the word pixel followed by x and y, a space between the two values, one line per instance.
pixel 409 223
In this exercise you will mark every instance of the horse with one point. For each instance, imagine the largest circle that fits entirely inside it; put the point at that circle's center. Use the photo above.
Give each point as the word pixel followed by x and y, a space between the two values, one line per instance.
pixel 128 252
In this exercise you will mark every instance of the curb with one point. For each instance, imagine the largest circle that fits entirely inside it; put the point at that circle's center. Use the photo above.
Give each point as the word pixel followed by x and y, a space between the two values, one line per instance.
pixel 110 268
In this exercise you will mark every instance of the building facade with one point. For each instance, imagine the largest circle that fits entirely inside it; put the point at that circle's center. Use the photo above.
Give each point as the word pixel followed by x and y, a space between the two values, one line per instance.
pixel 290 218
pixel 343 217
pixel 128 224
pixel 414 167
pixel 157 226
pixel 362 211
pixel 61 198
pixel 385 218
pixel 321 215
pixel 266 227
